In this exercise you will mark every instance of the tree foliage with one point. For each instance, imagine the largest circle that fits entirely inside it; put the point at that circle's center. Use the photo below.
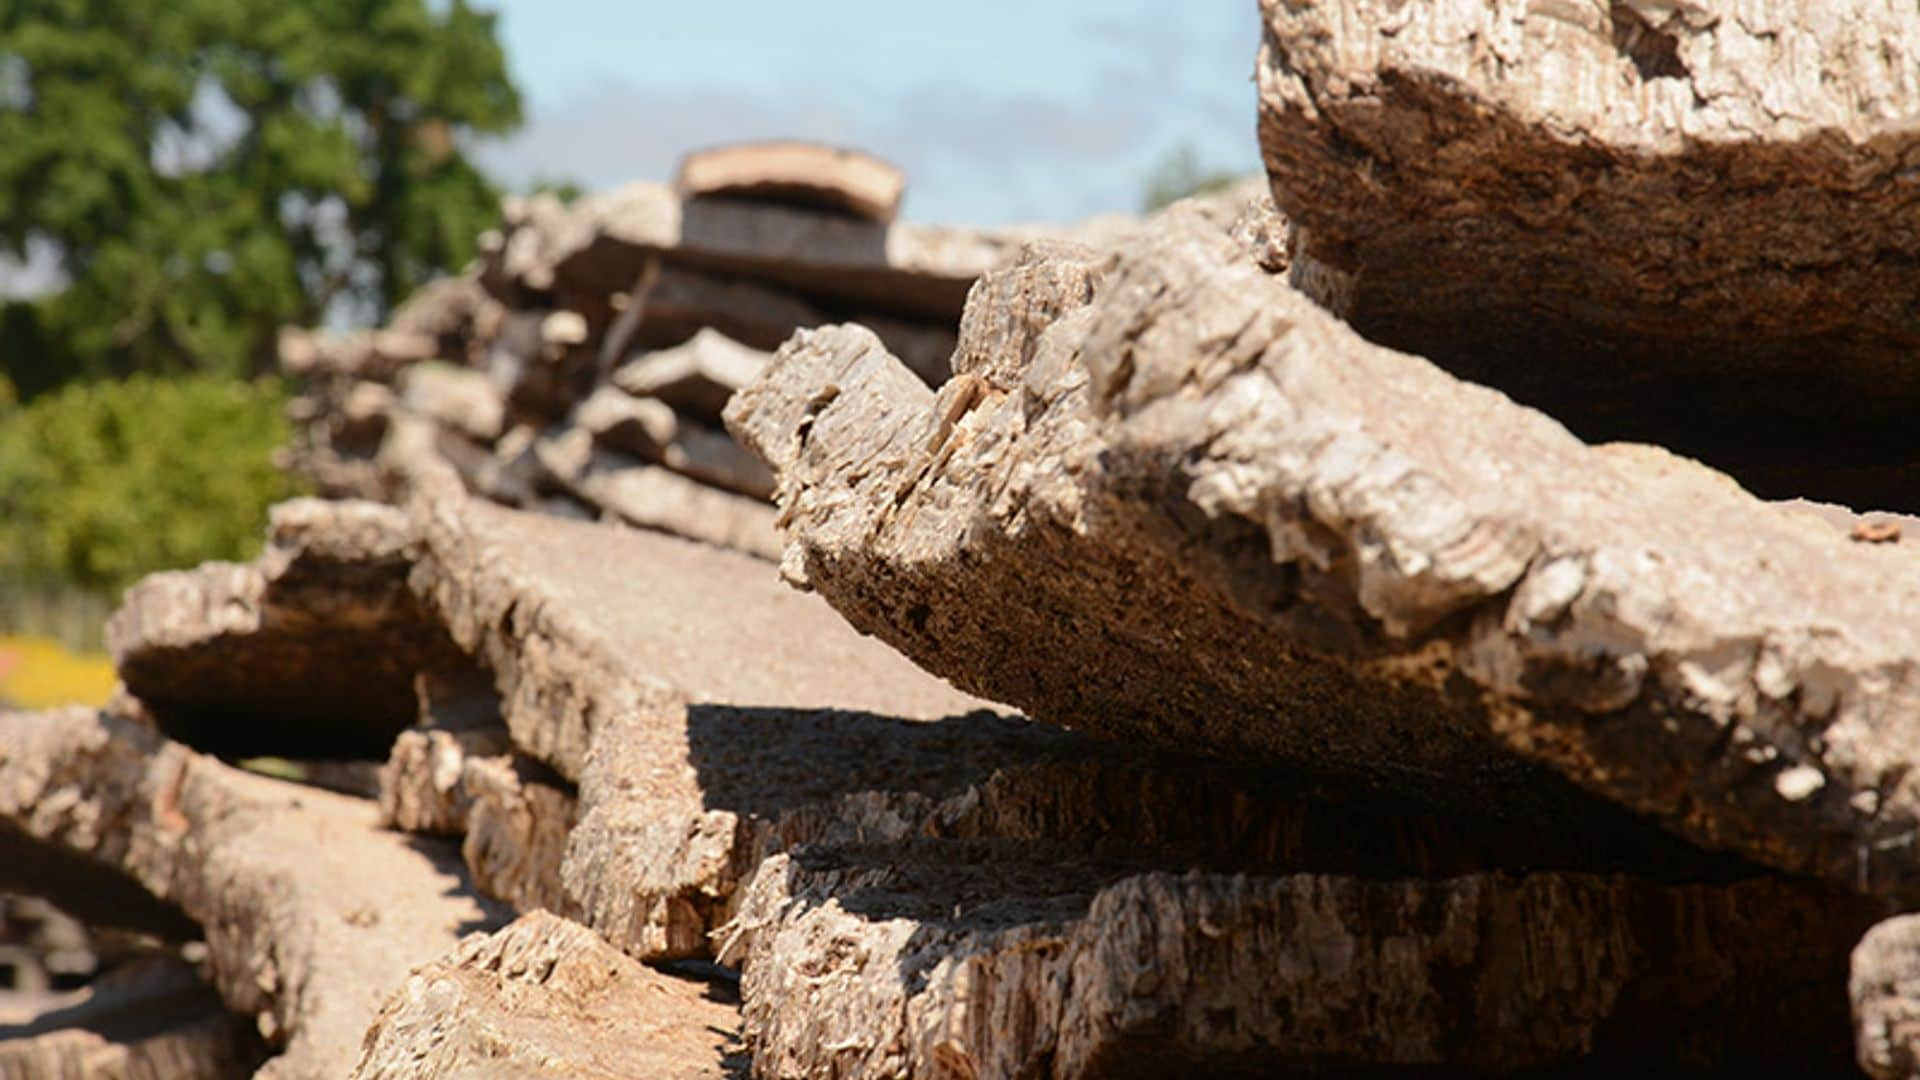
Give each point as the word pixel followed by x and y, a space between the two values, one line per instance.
pixel 1178 174
pixel 209 169
pixel 101 482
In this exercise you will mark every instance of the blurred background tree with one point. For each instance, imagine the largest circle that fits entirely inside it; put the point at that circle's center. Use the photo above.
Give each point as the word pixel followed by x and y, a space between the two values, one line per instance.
pixel 179 178
pixel 201 171
pixel 101 482
pixel 1178 174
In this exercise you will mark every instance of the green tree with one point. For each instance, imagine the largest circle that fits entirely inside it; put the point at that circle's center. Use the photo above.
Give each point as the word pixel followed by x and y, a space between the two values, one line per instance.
pixel 559 187
pixel 1178 174
pixel 207 170
pixel 101 482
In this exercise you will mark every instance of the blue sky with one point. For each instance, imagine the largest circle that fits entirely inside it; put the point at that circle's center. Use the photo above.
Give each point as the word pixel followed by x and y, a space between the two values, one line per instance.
pixel 1000 111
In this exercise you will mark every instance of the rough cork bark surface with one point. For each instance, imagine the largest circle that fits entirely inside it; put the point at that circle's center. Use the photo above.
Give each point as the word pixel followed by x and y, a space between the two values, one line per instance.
pixel 971 960
pixel 652 430
pixel 638 665
pixel 309 651
pixel 423 782
pixel 456 774
pixel 519 818
pixel 460 399
pixel 578 621
pixel 312 912
pixel 799 174
pixel 547 998
pixel 625 489
pixel 681 303
pixel 1209 514
pixel 1678 222
pixel 1873 527
pixel 1380 723
pixel 599 244
pixel 153 1021
pixel 675 683
pixel 1885 991
pixel 696 377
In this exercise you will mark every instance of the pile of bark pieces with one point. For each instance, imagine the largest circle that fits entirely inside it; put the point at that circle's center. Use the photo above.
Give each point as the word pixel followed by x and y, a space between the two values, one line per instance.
pixel 653 812
pixel 1186 679
pixel 580 366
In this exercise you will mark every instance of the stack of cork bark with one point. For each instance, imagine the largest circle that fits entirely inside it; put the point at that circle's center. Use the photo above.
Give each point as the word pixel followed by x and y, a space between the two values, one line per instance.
pixel 580 367
pixel 1183 677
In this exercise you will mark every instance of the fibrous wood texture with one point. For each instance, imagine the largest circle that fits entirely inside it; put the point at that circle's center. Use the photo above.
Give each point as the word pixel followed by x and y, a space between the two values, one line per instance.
pixel 1885 990
pixel 680 686
pixel 152 1021
pixel 1677 221
pixel 547 998
pixel 1208 514
pixel 312 912
pixel 966 960
pixel 624 488
pixel 456 774
pixel 797 174
pixel 681 303
pixel 308 651
pixel 632 664
pixel 598 246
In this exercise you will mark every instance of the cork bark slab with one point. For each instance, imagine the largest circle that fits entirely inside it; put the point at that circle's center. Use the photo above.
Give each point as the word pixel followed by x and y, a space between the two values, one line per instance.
pixel 799 174
pixel 621 658
pixel 456 774
pixel 599 245
pixel 547 998
pixel 618 487
pixel 696 377
pixel 656 432
pixel 312 912
pixel 155 1020
pixel 1689 223
pixel 681 687
pixel 309 651
pixel 682 303
pixel 968 959
pixel 1206 513
pixel 1885 991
